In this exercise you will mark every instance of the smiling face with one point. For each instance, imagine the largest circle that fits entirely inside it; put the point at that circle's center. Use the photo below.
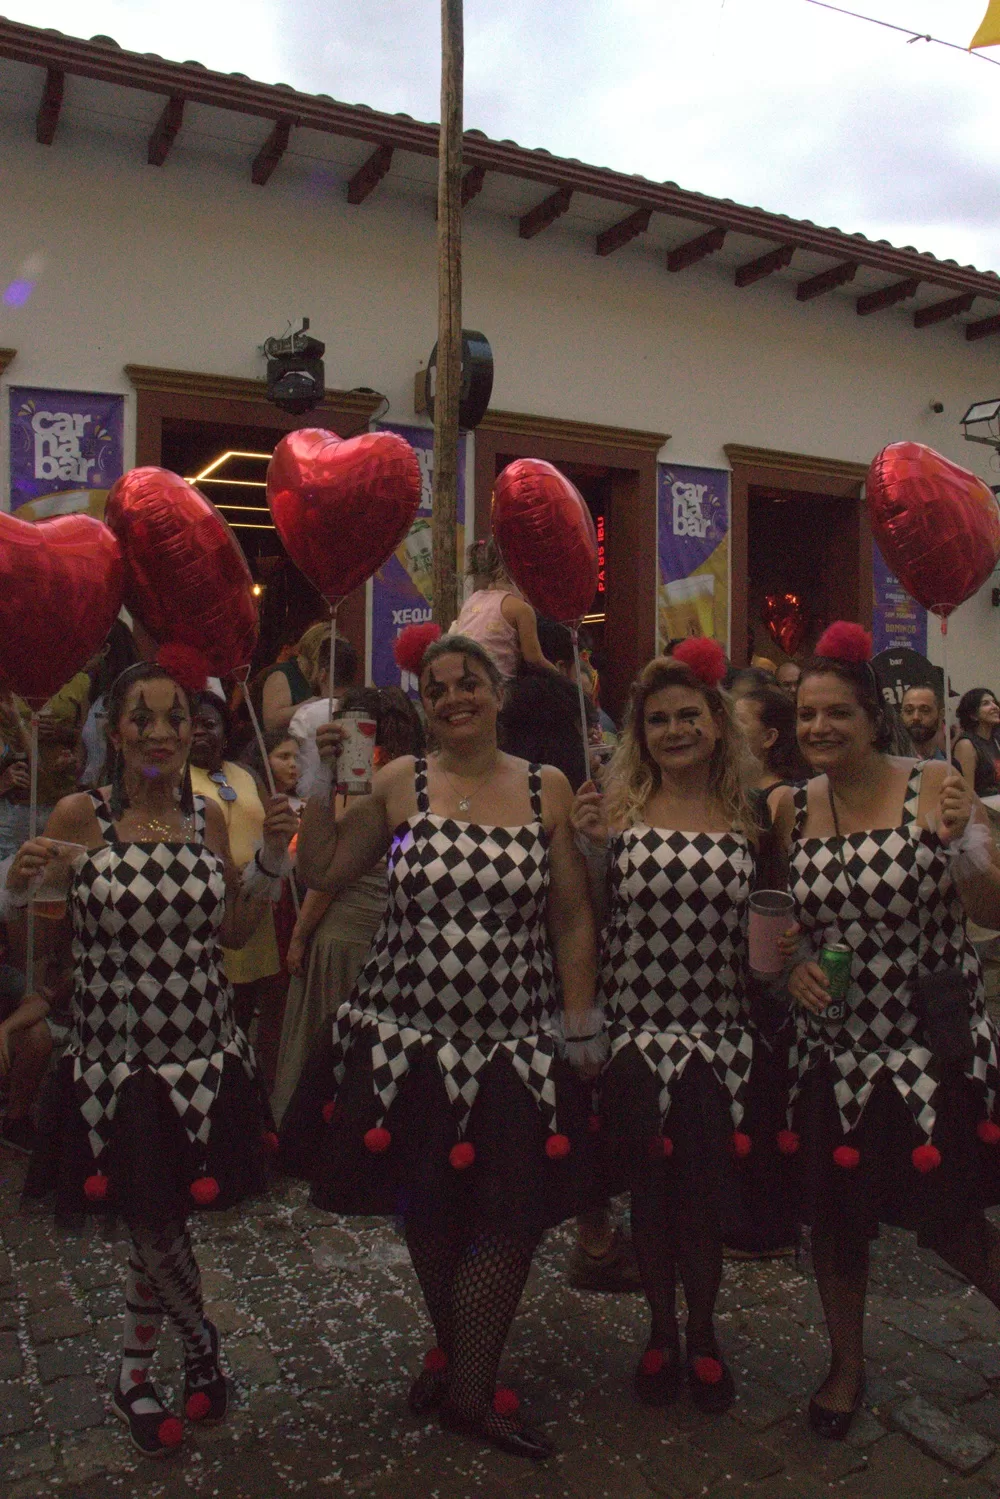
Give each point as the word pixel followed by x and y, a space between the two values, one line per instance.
pixel 284 762
pixel 154 729
pixel 208 738
pixel 679 729
pixel 832 726
pixel 459 700
pixel 988 715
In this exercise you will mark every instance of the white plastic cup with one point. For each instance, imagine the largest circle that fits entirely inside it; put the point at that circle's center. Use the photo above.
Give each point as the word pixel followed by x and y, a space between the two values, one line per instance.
pixel 771 914
pixel 356 762
pixel 48 895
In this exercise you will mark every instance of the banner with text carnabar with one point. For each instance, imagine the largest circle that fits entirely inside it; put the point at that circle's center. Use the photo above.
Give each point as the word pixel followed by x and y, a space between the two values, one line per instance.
pixel 66 451
pixel 693 547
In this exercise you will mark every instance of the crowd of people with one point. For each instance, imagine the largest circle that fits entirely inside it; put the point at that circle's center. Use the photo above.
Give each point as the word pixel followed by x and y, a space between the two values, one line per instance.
pixel 508 985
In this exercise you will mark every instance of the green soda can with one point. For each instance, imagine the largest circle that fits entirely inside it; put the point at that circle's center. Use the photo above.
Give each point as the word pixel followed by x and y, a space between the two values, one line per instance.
pixel 835 961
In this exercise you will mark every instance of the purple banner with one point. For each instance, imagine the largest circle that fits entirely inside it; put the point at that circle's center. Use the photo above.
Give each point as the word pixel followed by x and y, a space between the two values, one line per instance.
pixel 401 590
pixel 898 621
pixel 693 545
pixel 66 450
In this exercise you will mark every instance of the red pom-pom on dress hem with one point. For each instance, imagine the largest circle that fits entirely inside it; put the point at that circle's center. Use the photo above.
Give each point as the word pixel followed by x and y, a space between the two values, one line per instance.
pixel 378 1140
pixel 187 665
pixel 741 1145
pixel 707 1370
pixel 557 1147
pixel 788 1141
pixel 988 1131
pixel 197 1406
pixel 846 1157
pixel 506 1403
pixel 660 1148
pixel 703 656
pixel 204 1190
pixel 652 1361
pixel 462 1155
pixel 844 641
pixel 926 1158
pixel 270 1142
pixel 95 1188
pixel 329 1110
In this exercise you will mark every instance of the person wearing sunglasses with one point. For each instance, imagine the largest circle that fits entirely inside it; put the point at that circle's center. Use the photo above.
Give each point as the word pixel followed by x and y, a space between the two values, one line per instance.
pixel 254 970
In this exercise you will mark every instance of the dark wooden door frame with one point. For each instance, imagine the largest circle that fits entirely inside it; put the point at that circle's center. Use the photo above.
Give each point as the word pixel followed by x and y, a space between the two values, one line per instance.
pixel 773 469
pixel 630 631
pixel 187 395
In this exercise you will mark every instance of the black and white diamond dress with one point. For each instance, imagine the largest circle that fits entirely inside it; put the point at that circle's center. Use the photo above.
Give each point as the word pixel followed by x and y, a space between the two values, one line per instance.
pixel 157 1087
pixel 869 1083
pixel 444 1043
pixel 673 980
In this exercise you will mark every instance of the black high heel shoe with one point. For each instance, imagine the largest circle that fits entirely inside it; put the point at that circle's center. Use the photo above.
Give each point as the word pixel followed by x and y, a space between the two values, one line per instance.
pixel 501 1428
pixel 154 1433
pixel 431 1385
pixel 710 1382
pixel 834 1425
pixel 657 1377
pixel 206 1390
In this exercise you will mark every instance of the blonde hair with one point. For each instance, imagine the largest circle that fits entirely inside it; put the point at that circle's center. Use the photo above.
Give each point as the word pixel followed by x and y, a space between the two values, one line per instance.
pixel 308 647
pixel 633 775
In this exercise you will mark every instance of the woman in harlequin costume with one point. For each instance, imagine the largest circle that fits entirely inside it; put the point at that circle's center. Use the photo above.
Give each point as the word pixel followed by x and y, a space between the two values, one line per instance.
pixel 671 846
pixel 443 1095
pixel 155 1109
pixel 893 1103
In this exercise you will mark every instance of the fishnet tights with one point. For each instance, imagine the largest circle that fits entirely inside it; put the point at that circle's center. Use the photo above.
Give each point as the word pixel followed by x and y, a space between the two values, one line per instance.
pixel 472 1289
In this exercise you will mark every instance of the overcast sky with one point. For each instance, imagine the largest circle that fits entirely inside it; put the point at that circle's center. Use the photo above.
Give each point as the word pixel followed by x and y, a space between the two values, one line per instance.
pixel 770 102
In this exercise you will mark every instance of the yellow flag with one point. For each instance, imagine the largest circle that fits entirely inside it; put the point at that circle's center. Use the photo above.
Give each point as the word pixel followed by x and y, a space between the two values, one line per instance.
pixel 988 34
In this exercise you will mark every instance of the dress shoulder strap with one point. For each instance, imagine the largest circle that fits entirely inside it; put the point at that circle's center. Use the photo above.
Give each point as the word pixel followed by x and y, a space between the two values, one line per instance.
pixel 535 790
pixel 105 821
pixel 420 786
pixel 800 800
pixel 911 801
pixel 199 816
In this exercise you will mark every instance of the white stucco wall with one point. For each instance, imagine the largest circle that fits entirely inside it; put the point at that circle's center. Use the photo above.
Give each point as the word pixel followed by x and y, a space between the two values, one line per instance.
pixel 190 266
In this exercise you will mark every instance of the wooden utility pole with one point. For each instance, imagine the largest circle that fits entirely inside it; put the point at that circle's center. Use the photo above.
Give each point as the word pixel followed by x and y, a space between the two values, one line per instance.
pixel 449 355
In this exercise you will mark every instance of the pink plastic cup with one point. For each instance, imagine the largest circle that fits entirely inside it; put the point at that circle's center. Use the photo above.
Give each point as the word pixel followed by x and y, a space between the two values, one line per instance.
pixel 771 914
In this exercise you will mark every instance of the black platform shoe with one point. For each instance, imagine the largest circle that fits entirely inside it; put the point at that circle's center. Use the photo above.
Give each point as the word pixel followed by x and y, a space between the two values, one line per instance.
pixel 206 1389
pixel 155 1434
pixel 657 1377
pixel 501 1428
pixel 431 1385
pixel 710 1382
pixel 834 1425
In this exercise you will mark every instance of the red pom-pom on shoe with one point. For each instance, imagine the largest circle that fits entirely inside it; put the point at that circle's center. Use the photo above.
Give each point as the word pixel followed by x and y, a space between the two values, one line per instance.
pixel 186 665
pixel 270 1142
pixel 170 1432
pixel 506 1403
pixel 378 1140
pixel 329 1110
pixel 846 1157
pixel 594 1124
pixel 652 1361
pixel 556 1147
pixel 462 1155
pixel 95 1188
pixel 788 1141
pixel 660 1148
pixel 844 641
pixel 741 1145
pixel 988 1131
pixel 435 1361
pixel 707 1370
pixel 204 1189
pixel 704 657
pixel 925 1158
pixel 197 1406
pixel 411 645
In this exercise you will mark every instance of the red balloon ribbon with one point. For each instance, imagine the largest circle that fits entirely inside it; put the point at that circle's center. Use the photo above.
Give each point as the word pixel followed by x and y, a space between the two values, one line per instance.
pixel 546 538
pixel 341 507
pixel 938 525
pixel 186 578
pixel 60 591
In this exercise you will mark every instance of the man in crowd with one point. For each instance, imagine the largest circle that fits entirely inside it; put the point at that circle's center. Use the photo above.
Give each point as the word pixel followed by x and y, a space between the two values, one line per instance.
pixel 922 712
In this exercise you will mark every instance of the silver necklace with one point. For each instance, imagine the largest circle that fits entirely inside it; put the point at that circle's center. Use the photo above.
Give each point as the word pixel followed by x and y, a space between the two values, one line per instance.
pixel 465 802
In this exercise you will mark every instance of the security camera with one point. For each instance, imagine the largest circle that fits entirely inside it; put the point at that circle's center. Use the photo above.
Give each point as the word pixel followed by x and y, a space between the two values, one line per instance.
pixel 937 407
pixel 296 380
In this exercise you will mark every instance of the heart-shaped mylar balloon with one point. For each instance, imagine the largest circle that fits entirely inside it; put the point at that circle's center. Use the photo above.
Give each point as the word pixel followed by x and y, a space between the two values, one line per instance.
pixel 786 620
pixel 546 538
pixel 342 507
pixel 186 578
pixel 60 591
pixel 937 525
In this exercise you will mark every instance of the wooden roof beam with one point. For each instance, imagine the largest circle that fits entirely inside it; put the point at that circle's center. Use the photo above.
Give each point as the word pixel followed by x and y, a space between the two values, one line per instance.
pixel 271 152
pixel 544 213
pixel 48 110
pixel 982 329
pixel 887 296
pixel 612 239
pixel 472 184
pixel 940 312
pixel 165 131
pixel 696 249
pixel 368 176
pixel 816 286
pixel 756 270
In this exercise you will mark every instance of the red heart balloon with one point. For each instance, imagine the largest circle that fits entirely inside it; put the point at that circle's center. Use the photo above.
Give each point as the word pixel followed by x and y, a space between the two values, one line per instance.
pixel 786 620
pixel 186 578
pixel 938 525
pixel 342 508
pixel 60 591
pixel 546 538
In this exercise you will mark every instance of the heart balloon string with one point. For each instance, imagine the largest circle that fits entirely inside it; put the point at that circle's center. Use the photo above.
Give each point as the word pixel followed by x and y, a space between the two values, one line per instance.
pixel 574 630
pixel 29 952
pixel 266 762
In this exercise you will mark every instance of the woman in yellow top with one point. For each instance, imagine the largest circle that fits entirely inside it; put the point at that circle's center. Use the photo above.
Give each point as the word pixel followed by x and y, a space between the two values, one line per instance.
pixel 253 970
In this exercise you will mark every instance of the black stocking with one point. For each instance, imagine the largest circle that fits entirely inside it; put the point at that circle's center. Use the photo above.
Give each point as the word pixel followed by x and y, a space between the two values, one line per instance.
pixel 652 1239
pixel 699 1259
pixel 842 1279
pixel 435 1256
pixel 486 1289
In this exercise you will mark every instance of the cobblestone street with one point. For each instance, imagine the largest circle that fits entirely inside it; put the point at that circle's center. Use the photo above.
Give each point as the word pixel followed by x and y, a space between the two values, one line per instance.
pixel 323 1329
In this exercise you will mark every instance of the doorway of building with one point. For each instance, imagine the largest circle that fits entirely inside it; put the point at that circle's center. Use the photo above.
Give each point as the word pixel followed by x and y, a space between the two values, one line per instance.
pixel 804 547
